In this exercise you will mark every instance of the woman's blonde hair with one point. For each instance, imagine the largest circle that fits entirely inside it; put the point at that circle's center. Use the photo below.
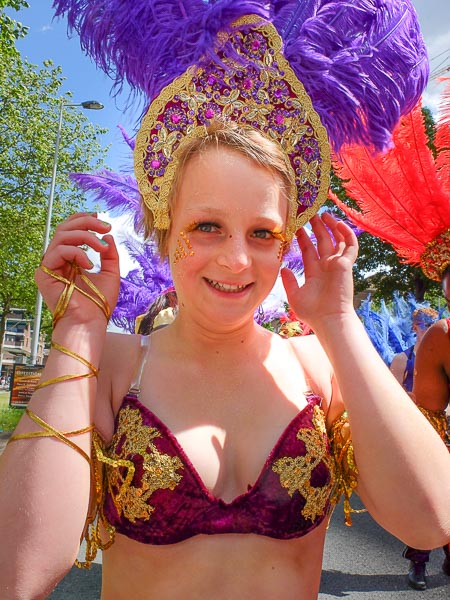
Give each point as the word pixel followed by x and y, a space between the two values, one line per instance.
pixel 248 141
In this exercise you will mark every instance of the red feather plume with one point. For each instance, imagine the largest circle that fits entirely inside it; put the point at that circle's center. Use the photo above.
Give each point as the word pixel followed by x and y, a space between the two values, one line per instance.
pixel 404 194
pixel 443 139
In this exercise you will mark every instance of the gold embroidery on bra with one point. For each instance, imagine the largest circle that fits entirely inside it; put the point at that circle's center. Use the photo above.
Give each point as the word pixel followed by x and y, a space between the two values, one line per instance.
pixel 295 472
pixel 159 471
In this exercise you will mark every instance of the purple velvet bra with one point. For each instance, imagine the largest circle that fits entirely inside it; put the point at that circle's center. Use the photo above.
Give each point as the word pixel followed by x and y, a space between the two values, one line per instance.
pixel 154 495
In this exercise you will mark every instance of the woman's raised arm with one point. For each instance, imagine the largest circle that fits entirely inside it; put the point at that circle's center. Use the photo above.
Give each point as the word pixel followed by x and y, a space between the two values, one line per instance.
pixel 45 469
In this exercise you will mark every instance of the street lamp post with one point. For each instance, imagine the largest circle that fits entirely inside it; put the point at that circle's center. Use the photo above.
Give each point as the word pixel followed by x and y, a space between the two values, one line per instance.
pixel 88 104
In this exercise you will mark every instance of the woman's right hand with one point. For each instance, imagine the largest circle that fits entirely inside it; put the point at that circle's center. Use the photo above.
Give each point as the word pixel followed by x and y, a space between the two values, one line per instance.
pixel 64 249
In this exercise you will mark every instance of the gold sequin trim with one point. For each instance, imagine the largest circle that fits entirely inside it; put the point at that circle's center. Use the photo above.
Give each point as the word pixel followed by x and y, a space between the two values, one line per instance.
pixel 436 256
pixel 295 473
pixel 439 421
pixel 159 470
pixel 345 465
pixel 114 472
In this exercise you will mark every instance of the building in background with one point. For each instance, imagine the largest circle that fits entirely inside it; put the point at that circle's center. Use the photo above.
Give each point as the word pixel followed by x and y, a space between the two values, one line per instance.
pixel 16 347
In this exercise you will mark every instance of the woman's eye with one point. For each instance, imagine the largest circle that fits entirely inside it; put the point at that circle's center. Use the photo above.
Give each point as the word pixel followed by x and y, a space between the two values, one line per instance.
pixel 207 227
pixel 263 234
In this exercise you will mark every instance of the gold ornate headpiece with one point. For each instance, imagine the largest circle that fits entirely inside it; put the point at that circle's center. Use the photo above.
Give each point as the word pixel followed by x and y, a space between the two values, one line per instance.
pixel 265 95
pixel 436 256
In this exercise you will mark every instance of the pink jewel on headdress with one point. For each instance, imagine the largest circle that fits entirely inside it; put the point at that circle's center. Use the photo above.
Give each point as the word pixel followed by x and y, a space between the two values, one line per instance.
pixel 156 164
pixel 175 119
pixel 209 113
pixel 309 150
pixel 248 83
pixel 255 45
pixel 307 197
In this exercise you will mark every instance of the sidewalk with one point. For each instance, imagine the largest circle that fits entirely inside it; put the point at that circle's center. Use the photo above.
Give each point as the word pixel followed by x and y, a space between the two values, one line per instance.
pixel 4 437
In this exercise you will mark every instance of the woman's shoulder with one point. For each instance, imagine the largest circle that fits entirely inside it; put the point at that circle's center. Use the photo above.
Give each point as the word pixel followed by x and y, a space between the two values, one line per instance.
pixel 437 333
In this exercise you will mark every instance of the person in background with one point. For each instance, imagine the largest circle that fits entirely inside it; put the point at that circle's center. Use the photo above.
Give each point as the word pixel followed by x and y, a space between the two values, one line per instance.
pixel 403 368
pixel 431 390
pixel 161 312
pixel 402 365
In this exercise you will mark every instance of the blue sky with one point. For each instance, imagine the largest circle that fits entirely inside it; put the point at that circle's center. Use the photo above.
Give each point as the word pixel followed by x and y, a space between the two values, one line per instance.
pixel 47 38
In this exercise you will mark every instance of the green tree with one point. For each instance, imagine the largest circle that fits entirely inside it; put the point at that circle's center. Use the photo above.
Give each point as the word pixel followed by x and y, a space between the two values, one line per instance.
pixel 30 100
pixel 10 29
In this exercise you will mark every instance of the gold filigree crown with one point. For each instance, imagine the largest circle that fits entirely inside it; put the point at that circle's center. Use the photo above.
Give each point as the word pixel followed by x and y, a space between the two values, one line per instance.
pixel 436 256
pixel 265 95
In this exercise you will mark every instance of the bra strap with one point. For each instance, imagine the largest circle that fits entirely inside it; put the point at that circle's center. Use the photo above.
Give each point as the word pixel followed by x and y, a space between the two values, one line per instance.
pixel 135 387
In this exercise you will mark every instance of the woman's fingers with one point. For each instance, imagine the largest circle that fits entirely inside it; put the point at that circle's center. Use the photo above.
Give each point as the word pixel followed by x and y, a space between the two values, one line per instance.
pixel 73 237
pixel 325 242
pixel 109 258
pixel 334 238
pixel 345 238
pixel 289 281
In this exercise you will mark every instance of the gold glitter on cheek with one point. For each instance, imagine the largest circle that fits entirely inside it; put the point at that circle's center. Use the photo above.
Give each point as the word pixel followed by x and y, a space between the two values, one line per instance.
pixel 183 249
pixel 281 251
pixel 280 236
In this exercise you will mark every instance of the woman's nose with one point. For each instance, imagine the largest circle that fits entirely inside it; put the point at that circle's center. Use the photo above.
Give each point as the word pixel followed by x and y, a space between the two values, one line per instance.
pixel 234 254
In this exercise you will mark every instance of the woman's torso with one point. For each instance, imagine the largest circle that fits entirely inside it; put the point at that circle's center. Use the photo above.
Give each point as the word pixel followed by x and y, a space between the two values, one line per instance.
pixel 226 413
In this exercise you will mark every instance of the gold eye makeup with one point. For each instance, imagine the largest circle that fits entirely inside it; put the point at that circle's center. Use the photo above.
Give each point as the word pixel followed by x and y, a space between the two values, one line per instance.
pixel 191 227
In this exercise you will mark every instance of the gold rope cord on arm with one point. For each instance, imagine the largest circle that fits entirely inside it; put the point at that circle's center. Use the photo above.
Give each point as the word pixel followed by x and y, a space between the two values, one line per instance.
pixel 96 520
pixel 92 373
pixel 49 431
pixel 98 298
pixel 93 533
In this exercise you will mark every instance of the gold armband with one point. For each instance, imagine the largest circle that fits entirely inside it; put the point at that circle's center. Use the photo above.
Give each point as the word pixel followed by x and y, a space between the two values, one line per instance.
pixel 346 471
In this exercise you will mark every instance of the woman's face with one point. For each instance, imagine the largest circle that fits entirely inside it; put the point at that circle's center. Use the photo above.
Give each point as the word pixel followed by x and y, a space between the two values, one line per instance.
pixel 224 247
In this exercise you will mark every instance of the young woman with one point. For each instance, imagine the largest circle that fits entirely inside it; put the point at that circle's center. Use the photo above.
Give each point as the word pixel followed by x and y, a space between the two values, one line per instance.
pixel 213 436
pixel 219 448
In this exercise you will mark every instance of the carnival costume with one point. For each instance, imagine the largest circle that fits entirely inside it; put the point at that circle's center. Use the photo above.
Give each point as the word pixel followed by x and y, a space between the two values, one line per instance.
pixel 404 199
pixel 309 75
pixel 404 194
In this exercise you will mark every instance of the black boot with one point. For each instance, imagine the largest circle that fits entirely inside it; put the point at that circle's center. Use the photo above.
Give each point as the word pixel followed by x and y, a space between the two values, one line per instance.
pixel 416 575
pixel 446 563
pixel 446 566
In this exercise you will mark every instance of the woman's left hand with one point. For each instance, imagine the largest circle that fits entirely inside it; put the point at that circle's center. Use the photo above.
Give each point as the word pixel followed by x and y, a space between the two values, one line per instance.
pixel 328 288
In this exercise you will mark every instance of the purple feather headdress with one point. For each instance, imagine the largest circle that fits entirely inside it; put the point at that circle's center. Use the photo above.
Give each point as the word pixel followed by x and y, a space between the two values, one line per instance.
pixel 362 62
